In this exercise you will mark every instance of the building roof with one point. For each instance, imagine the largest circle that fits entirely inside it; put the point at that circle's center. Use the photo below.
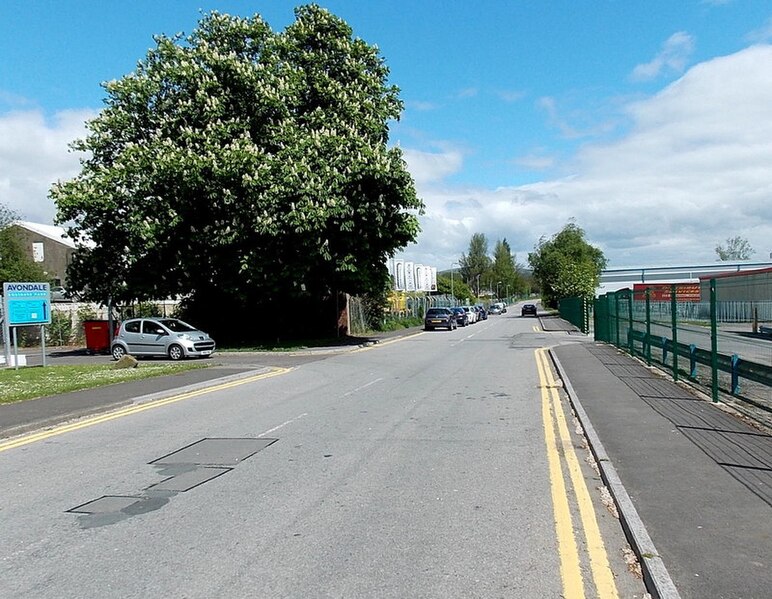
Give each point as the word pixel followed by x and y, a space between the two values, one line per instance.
pixel 743 273
pixel 52 232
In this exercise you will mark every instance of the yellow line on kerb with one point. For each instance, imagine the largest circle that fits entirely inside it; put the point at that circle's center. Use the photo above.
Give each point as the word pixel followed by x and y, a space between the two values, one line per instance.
pixel 599 564
pixel 150 405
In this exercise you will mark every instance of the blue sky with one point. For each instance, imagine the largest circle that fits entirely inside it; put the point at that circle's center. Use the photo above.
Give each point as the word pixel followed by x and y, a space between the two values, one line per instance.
pixel 648 122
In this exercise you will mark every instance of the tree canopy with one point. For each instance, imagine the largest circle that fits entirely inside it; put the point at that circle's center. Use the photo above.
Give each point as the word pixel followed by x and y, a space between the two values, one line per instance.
pixel 503 272
pixel 455 287
pixel 737 248
pixel 484 273
pixel 566 265
pixel 244 166
pixel 476 262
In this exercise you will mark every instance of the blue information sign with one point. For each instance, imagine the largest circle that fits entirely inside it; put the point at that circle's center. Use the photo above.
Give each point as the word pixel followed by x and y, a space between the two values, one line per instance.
pixel 27 303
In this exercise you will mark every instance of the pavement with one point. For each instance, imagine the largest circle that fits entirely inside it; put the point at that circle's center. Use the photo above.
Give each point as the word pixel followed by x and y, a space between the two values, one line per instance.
pixel 692 480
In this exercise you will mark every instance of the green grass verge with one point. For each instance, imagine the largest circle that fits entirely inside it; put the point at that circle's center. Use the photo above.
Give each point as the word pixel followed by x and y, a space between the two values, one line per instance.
pixel 32 382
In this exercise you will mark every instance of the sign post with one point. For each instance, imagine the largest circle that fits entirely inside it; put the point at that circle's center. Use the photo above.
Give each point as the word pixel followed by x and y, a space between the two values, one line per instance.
pixel 26 304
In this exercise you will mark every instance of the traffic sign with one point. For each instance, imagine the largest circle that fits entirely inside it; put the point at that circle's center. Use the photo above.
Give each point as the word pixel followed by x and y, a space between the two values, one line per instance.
pixel 27 304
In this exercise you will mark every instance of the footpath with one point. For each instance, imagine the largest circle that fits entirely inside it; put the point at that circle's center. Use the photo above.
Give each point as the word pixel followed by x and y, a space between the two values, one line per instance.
pixel 692 481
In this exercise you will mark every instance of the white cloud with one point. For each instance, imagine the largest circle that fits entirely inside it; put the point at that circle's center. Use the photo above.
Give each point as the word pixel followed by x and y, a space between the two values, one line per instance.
pixel 511 95
pixel 431 167
pixel 469 92
pixel 672 58
pixel 33 155
pixel 692 171
pixel 421 105
pixel 535 161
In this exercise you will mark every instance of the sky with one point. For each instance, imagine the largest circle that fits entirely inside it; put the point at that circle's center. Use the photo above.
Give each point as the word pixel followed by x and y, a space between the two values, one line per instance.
pixel 648 123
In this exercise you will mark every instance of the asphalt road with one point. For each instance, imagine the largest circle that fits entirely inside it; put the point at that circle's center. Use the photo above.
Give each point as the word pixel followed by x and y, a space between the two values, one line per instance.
pixel 419 467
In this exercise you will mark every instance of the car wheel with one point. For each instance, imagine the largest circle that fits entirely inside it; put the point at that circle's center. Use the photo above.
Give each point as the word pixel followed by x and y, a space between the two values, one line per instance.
pixel 118 352
pixel 176 352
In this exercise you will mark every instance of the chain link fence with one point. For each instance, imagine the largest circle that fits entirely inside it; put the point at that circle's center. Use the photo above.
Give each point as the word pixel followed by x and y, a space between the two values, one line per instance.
pixel 402 309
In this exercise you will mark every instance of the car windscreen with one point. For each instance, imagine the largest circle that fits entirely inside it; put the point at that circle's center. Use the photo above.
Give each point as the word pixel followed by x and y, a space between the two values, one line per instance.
pixel 437 312
pixel 177 326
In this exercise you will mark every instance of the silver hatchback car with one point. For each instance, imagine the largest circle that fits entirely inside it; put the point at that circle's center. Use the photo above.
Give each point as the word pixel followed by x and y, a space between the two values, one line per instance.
pixel 168 337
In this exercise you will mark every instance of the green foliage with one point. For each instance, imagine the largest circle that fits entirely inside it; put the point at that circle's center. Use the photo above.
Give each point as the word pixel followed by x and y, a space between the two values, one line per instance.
pixel 396 323
pixel 737 248
pixel 566 265
pixel 243 168
pixel 15 264
pixel 60 331
pixel 146 309
pixel 374 306
pixel 455 287
pixel 476 262
pixel 503 273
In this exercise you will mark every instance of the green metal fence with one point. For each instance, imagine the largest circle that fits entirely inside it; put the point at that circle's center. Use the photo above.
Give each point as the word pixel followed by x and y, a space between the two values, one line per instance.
pixel 705 342
pixel 576 310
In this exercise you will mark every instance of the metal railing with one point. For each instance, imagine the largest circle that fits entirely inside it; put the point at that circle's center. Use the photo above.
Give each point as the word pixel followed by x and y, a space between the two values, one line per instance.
pixel 720 345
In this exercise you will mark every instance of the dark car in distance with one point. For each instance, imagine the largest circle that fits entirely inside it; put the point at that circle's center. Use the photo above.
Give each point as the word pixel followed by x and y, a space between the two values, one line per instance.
pixel 528 309
pixel 462 318
pixel 439 317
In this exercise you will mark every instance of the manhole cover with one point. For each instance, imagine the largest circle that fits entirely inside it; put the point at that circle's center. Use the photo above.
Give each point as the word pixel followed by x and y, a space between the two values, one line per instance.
pixel 105 505
pixel 217 452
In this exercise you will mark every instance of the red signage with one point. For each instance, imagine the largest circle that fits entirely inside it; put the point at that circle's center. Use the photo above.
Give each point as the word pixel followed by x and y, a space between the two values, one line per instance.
pixel 660 292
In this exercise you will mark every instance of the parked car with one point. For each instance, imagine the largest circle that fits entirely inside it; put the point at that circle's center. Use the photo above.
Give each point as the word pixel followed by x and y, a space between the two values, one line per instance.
pixel 161 337
pixel 462 319
pixel 494 309
pixel 482 313
pixel 528 309
pixel 471 314
pixel 440 317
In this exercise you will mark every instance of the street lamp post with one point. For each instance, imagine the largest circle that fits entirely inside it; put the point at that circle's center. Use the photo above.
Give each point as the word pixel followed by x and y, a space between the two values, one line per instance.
pixel 497 289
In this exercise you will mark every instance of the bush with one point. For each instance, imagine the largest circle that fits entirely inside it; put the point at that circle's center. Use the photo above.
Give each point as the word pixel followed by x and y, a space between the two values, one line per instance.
pixel 397 323
pixel 60 331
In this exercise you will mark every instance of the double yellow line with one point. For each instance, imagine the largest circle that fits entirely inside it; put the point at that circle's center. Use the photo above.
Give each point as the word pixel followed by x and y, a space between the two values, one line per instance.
pixel 135 409
pixel 561 457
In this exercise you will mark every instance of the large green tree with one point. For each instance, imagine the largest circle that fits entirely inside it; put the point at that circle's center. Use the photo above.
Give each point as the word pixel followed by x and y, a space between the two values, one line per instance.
pixel 566 265
pixel 243 168
pixel 503 271
pixel 475 264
